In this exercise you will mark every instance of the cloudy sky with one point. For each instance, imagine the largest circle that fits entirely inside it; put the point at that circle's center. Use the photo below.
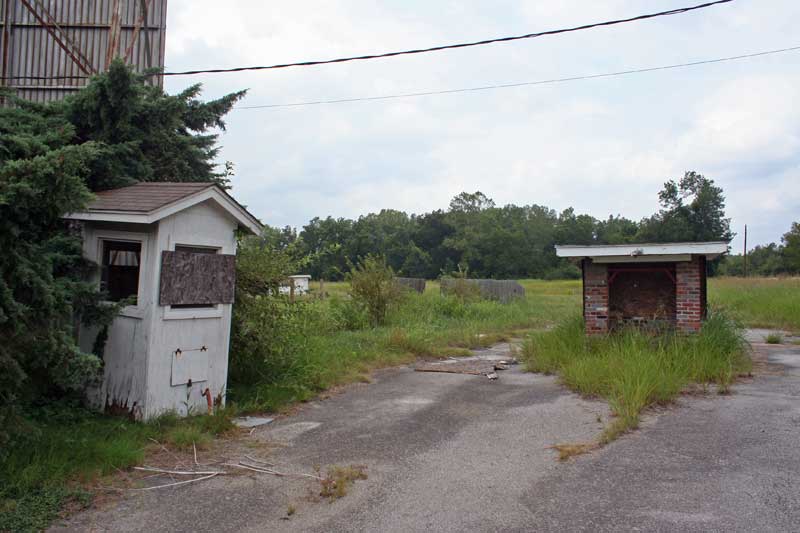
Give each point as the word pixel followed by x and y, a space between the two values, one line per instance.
pixel 602 146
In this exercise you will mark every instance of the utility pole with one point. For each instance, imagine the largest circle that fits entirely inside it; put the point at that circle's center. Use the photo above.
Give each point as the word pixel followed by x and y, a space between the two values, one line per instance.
pixel 745 250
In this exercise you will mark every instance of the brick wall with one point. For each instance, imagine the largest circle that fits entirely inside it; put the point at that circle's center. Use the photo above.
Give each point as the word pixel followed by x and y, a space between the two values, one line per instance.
pixel 645 298
pixel 689 277
pixel 595 298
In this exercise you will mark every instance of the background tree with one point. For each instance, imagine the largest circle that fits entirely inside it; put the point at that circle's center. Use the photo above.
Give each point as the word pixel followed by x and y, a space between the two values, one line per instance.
pixel 615 230
pixel 510 241
pixel 692 209
pixel 326 242
pixel 791 248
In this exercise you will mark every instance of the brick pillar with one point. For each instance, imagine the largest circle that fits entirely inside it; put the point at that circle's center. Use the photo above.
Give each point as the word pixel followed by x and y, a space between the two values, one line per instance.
pixel 689 295
pixel 595 298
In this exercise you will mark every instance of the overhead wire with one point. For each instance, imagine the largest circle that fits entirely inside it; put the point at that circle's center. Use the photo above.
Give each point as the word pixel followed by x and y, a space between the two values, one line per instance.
pixel 521 84
pixel 669 12
pixel 455 46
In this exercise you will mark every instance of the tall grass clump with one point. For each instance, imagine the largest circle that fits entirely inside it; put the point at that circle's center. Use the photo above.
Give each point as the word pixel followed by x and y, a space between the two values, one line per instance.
pixel 634 370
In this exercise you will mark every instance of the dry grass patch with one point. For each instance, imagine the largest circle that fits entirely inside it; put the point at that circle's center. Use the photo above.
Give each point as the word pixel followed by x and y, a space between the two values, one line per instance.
pixel 338 479
pixel 566 451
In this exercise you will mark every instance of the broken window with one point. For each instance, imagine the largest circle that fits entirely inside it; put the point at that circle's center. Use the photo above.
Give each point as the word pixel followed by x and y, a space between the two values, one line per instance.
pixel 120 269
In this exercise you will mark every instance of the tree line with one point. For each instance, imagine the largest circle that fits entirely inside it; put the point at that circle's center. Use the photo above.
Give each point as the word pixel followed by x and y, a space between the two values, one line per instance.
pixel 490 241
pixel 773 259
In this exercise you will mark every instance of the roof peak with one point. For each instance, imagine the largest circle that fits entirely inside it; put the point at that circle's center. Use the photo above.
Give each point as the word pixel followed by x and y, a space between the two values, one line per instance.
pixel 150 201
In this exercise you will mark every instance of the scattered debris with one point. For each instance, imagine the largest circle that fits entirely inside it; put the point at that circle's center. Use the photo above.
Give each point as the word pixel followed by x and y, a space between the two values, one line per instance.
pixel 265 470
pixel 252 421
pixel 476 365
pixel 158 471
pixel 177 483
pixel 473 367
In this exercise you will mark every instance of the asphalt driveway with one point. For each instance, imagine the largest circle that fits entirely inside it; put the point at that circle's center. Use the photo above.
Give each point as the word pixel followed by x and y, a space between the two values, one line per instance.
pixel 455 452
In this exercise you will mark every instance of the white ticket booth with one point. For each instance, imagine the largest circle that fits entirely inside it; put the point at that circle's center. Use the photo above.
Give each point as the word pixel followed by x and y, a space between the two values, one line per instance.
pixel 168 250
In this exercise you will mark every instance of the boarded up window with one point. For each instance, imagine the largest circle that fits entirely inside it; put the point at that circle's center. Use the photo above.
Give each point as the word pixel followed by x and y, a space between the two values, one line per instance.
pixel 196 278
pixel 194 250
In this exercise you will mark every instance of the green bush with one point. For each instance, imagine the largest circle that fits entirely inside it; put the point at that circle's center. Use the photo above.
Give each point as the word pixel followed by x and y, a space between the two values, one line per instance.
pixel 565 271
pixel 346 314
pixel 372 285
pixel 267 329
pixel 266 335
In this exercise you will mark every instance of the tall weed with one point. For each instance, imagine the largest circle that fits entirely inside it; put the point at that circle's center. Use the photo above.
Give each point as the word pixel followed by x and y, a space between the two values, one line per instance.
pixel 372 285
pixel 633 369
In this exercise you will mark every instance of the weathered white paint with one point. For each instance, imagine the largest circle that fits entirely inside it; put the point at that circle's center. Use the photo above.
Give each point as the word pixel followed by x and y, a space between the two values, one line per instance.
pixel 708 249
pixel 301 284
pixel 143 373
pixel 675 258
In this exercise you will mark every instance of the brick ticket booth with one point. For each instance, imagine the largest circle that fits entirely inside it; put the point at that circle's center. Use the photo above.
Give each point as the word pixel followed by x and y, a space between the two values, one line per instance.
pixel 658 286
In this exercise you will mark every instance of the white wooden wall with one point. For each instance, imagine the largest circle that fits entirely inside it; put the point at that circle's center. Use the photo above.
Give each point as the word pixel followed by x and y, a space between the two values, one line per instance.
pixel 142 371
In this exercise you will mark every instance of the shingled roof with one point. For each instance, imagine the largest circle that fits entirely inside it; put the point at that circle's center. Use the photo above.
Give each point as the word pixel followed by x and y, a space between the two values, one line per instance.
pixel 144 197
pixel 152 201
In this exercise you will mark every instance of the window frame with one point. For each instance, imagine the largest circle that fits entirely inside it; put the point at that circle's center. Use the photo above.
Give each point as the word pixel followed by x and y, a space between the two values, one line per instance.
pixel 108 265
pixel 137 310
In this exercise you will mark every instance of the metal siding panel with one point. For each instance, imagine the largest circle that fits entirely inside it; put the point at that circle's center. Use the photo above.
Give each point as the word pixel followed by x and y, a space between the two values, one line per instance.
pixel 31 51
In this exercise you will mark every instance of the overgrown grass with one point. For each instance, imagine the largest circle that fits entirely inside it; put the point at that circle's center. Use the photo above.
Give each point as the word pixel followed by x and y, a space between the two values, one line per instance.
pixel 423 325
pixel 759 302
pixel 68 449
pixel 633 370
pixel 774 338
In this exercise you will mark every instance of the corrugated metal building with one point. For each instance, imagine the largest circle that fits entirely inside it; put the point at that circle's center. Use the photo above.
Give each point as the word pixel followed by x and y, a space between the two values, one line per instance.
pixel 64 42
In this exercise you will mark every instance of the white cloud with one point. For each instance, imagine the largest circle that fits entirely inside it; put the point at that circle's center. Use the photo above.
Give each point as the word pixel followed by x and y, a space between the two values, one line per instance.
pixel 602 146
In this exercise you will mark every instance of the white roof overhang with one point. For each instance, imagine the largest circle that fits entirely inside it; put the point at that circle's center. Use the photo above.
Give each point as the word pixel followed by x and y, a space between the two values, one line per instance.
pixel 643 253
pixel 231 207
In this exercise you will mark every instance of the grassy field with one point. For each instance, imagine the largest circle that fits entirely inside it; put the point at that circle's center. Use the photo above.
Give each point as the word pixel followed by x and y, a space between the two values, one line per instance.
pixel 423 325
pixel 69 448
pixel 759 302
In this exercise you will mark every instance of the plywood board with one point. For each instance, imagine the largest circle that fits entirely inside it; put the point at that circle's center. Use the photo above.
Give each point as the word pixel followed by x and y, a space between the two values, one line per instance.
pixel 194 279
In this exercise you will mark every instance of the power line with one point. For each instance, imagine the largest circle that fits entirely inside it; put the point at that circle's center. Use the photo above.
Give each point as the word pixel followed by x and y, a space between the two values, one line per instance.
pixel 676 11
pixel 459 45
pixel 521 84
